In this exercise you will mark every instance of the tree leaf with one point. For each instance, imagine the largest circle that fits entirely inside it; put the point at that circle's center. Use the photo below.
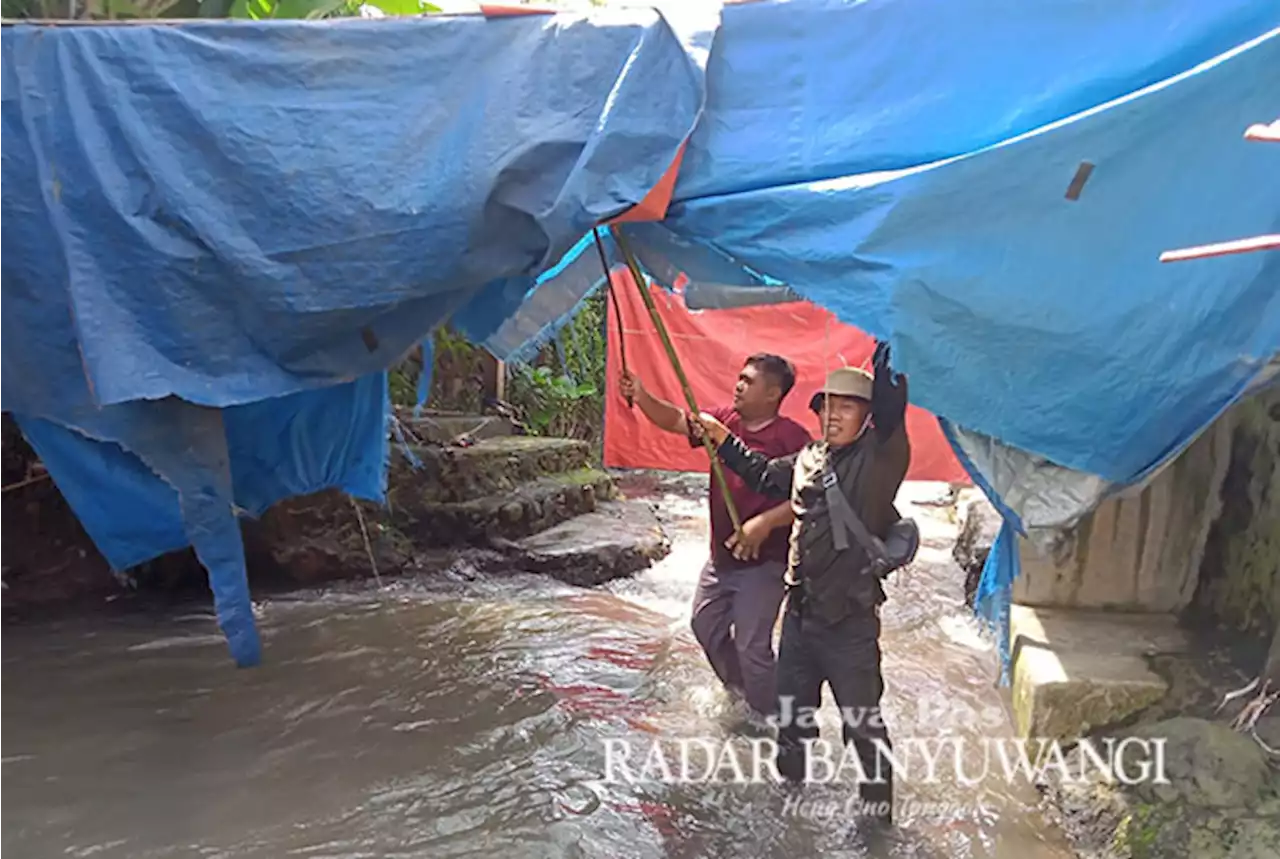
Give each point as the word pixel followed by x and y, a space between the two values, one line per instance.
pixel 255 10
pixel 403 7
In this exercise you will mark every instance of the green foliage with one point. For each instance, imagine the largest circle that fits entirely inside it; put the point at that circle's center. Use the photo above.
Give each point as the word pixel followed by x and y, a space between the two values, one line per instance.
pixel 584 342
pixel 403 382
pixel 102 10
pixel 257 10
pixel 459 374
pixel 265 9
pixel 550 403
pixel 1138 832
pixel 554 397
pixel 569 393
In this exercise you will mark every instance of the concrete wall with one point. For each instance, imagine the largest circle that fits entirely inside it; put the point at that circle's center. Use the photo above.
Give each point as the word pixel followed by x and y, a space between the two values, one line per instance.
pixel 1141 553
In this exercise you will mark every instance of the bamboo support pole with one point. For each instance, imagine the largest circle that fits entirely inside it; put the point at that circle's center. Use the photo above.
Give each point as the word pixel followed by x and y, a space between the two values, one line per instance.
pixel 716 468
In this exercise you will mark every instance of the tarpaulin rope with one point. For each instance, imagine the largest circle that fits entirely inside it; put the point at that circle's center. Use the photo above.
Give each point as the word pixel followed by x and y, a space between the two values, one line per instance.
pixel 612 300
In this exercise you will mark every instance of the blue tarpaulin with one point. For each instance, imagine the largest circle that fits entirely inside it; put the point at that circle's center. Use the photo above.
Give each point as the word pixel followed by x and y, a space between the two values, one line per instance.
pixel 206 216
pixel 906 166
pixel 218 235
pixel 925 201
pixel 917 188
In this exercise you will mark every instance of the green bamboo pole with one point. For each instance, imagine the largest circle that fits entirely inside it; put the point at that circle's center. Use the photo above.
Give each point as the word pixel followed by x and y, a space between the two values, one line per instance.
pixel 637 276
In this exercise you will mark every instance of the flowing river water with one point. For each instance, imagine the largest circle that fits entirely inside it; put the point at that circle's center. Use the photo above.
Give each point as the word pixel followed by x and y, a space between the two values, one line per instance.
pixel 462 715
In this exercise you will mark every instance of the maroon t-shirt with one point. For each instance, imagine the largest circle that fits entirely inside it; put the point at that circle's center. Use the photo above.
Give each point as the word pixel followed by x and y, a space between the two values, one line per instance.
pixel 781 437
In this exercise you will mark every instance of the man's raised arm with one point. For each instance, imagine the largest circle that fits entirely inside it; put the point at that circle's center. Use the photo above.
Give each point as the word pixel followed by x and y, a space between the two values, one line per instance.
pixel 768 477
pixel 660 413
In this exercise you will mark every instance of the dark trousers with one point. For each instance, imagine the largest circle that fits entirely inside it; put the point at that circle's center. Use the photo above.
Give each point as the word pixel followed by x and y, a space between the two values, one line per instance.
pixel 733 617
pixel 845 655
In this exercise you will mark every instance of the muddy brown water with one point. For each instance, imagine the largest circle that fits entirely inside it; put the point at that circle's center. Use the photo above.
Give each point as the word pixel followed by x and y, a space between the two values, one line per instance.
pixel 460 715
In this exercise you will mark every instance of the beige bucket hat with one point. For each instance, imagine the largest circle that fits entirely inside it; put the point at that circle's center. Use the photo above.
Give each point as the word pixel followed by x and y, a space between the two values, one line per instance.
pixel 844 382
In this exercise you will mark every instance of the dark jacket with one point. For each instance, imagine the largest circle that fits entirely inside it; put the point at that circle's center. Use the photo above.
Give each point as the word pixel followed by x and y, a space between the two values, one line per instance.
pixel 869 471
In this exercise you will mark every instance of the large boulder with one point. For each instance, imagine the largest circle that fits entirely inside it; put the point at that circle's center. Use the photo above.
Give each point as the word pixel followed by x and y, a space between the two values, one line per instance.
pixel 1208 765
pixel 1218 800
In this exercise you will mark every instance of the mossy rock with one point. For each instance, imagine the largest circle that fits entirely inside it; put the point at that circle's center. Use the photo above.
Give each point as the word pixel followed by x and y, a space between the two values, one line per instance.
pixel 531 507
pixel 317 538
pixel 1221 801
pixel 1168 830
pixel 1208 765
pixel 456 475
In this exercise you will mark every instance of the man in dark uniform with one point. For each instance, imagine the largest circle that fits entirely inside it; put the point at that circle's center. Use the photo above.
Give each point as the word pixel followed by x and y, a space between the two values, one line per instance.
pixel 847 536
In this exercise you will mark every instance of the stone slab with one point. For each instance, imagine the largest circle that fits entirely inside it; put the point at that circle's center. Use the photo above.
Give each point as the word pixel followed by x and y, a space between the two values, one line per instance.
pixel 619 539
pixel 1077 671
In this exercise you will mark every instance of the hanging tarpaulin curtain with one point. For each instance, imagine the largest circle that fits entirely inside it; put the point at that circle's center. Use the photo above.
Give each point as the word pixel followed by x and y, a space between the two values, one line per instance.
pixel 200 302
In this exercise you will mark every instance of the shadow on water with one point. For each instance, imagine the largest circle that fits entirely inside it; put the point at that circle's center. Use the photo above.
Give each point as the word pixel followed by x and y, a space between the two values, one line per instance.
pixel 450 718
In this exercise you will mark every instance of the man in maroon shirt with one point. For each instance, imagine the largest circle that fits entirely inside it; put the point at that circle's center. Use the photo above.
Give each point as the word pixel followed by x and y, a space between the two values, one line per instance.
pixel 741 587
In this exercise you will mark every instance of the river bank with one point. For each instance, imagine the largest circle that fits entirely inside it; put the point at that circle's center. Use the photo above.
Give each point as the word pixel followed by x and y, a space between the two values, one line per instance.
pixel 464 712
pixel 1220 796
pixel 1216 791
pixel 636 675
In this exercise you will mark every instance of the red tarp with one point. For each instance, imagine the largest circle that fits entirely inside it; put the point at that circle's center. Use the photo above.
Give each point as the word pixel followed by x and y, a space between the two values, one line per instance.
pixel 712 345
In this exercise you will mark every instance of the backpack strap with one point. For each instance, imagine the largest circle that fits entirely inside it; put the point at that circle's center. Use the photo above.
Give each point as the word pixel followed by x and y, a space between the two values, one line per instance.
pixel 845 523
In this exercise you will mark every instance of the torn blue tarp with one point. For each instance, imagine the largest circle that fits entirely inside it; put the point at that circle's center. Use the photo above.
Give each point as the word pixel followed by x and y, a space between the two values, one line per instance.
pixel 931 210
pixel 994 597
pixel 546 307
pixel 558 293
pixel 149 478
pixel 337 193
pixel 917 187
pixel 423 390
pixel 1040 321
pixel 229 213
pixel 218 235
pixel 327 438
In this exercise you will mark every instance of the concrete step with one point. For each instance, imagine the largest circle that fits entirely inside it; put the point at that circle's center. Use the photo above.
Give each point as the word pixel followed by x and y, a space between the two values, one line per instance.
pixel 619 539
pixel 1075 671
pixel 495 466
pixel 526 508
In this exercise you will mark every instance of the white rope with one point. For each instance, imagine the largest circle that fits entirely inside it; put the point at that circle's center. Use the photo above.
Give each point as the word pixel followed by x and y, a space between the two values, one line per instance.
pixel 368 546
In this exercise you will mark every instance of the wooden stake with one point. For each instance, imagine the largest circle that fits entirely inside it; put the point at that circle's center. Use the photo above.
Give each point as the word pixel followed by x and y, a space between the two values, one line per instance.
pixel 716 468
pixel 1265 133
pixel 1239 246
